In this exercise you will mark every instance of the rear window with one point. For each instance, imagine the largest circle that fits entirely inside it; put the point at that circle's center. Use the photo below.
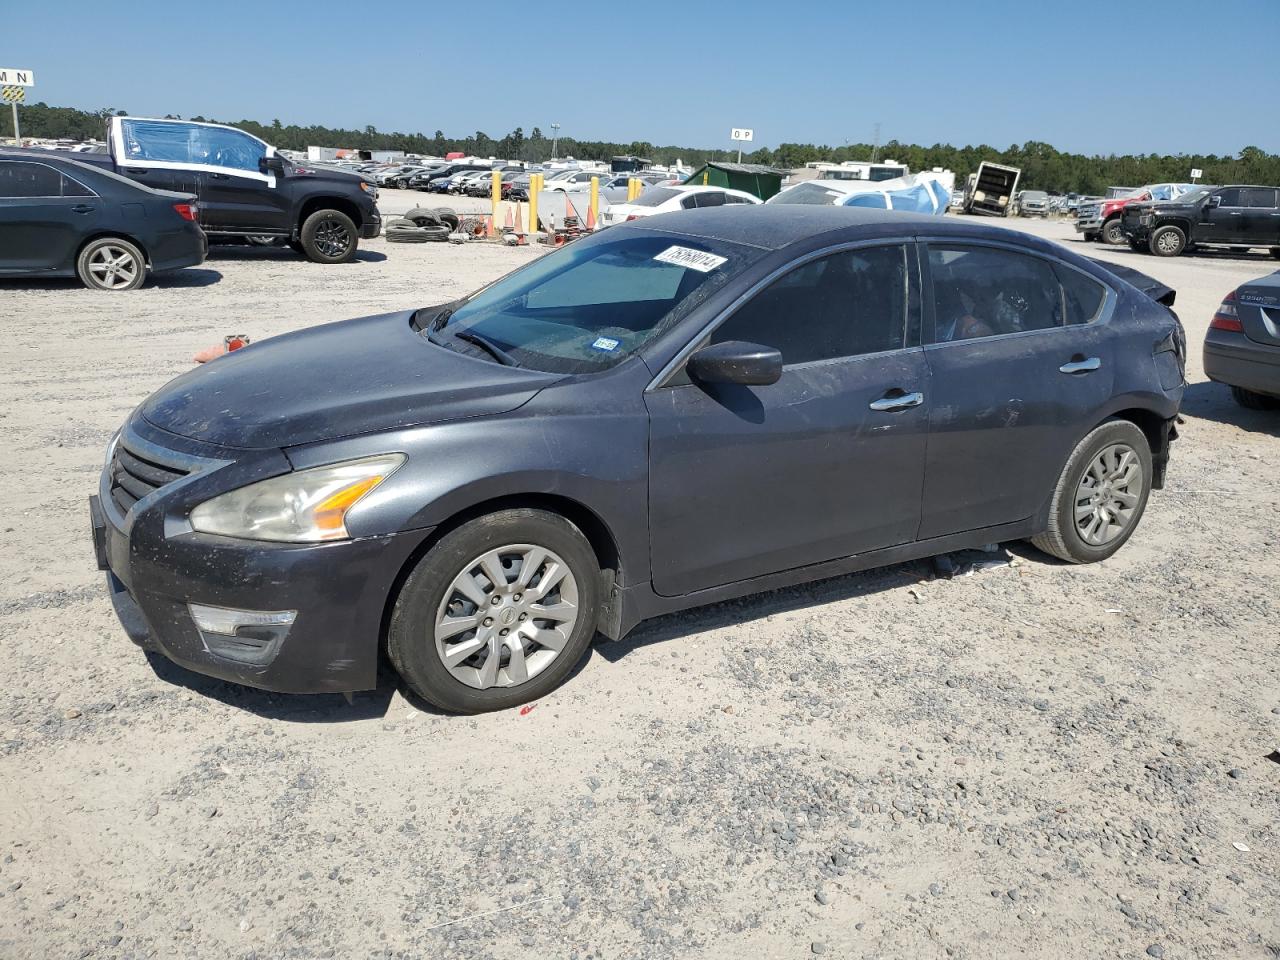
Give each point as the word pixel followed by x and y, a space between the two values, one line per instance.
pixel 1082 296
pixel 653 196
pixel 811 193
pixel 21 179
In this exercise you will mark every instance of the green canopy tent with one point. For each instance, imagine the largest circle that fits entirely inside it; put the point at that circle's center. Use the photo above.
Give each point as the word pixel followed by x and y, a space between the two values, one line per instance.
pixel 753 178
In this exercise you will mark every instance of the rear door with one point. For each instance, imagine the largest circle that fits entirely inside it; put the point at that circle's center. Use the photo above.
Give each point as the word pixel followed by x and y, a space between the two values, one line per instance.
pixel 1261 215
pixel 43 217
pixel 156 153
pixel 1019 364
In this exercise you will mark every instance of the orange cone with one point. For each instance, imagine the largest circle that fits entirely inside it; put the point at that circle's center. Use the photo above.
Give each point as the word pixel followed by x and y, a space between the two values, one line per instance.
pixel 569 210
pixel 520 241
pixel 591 219
pixel 506 227
pixel 488 226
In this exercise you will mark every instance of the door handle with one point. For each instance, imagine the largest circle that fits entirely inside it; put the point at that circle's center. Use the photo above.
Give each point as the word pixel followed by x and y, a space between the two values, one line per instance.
pixel 897 400
pixel 82 208
pixel 140 170
pixel 1081 365
pixel 219 176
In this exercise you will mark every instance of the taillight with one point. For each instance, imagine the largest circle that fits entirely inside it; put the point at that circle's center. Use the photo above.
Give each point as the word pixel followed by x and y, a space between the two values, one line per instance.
pixel 187 211
pixel 1227 318
pixel 631 216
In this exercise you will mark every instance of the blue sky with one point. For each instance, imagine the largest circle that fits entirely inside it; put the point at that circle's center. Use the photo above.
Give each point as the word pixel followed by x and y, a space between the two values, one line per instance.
pixel 1122 76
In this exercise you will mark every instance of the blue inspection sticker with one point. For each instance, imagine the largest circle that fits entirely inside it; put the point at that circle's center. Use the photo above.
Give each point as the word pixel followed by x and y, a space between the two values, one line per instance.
pixel 605 343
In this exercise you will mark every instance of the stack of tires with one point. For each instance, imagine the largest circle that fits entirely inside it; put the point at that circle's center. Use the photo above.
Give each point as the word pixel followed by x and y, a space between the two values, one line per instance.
pixel 420 225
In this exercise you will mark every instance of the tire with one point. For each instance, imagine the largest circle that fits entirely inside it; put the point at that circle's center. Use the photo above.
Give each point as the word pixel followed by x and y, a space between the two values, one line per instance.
pixel 329 236
pixel 256 240
pixel 430 595
pixel 1275 252
pixel 1111 234
pixel 1167 241
pixel 1254 401
pixel 109 263
pixel 423 218
pixel 1106 448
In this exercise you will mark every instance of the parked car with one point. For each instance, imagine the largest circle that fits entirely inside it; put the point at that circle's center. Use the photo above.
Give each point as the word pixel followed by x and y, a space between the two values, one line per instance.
pixel 400 181
pixel 1236 216
pixel 1242 347
pixel 63 218
pixel 1033 203
pixel 654 417
pixel 1099 219
pixel 573 180
pixel 244 186
pixel 668 199
pixel 483 186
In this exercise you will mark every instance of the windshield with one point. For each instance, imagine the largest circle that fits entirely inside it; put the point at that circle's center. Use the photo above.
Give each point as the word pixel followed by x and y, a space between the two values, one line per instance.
pixel 810 192
pixel 653 196
pixel 1195 195
pixel 592 304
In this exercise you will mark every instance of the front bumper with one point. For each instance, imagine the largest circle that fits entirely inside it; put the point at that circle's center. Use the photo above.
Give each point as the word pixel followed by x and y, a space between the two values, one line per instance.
pixel 1089 225
pixel 156 565
pixel 371 225
pixel 1234 359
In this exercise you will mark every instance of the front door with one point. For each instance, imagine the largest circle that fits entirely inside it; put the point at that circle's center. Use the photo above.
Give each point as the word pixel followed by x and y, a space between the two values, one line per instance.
pixel 1019 365
pixel 43 217
pixel 825 463
pixel 1222 218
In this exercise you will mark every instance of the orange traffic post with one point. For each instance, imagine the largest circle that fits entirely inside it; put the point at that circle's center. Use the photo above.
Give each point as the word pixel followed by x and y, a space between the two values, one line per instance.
pixel 495 196
pixel 593 211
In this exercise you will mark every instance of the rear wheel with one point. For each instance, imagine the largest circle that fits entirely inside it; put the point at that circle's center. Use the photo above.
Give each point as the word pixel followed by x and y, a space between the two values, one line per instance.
pixel 329 236
pixel 1111 232
pixel 110 263
pixel 1100 496
pixel 496 614
pixel 1168 241
pixel 1254 401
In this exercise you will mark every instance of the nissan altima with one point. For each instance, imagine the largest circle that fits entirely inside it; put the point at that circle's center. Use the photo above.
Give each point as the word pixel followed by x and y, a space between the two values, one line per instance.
pixel 669 413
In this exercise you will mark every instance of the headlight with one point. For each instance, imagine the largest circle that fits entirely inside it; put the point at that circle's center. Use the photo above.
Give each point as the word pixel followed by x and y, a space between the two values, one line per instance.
pixel 307 506
pixel 368 187
pixel 979 195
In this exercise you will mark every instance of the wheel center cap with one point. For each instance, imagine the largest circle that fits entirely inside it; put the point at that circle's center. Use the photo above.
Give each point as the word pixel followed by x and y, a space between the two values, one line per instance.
pixel 507 617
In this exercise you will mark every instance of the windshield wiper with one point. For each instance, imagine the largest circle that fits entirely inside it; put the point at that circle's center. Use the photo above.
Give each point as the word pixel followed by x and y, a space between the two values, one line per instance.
pixel 487 345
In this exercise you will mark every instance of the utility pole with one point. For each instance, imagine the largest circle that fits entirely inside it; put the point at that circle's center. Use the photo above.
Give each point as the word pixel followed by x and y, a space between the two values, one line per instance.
pixel 875 149
pixel 555 139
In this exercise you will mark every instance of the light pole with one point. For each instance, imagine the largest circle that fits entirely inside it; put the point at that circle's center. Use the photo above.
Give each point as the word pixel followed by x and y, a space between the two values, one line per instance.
pixel 555 139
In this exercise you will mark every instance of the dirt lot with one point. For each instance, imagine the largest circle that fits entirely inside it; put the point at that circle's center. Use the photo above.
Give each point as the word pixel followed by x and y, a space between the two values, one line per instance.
pixel 1037 760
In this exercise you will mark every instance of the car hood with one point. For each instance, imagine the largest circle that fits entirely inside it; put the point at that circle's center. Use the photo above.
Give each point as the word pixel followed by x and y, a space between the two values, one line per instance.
pixel 343 177
pixel 337 380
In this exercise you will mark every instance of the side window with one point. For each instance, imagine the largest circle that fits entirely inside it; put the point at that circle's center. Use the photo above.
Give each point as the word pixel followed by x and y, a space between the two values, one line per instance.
pixel 19 179
pixel 228 148
pixel 710 199
pixel 1257 197
pixel 843 305
pixel 986 292
pixel 689 202
pixel 1082 296
pixel 1229 197
pixel 156 141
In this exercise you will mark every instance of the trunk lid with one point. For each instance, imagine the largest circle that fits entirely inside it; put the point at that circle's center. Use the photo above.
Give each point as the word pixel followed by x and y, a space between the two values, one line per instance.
pixel 1258 305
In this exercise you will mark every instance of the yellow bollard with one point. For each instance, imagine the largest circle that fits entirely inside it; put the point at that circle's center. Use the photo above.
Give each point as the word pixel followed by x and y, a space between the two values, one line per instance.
pixel 495 197
pixel 595 202
pixel 533 203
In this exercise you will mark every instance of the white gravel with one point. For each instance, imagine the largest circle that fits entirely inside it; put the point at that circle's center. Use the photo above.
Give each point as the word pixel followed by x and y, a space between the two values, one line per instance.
pixel 1033 761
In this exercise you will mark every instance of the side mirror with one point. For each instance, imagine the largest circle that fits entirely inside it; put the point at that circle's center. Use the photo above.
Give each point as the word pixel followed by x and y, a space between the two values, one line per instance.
pixel 271 165
pixel 748 364
pixel 1215 200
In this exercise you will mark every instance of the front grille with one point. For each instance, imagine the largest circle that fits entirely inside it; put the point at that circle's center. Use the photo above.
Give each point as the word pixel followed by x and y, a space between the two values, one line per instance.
pixel 134 476
pixel 1089 211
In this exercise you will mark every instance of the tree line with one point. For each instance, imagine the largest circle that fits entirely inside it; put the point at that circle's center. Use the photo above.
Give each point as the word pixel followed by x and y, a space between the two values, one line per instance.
pixel 1043 166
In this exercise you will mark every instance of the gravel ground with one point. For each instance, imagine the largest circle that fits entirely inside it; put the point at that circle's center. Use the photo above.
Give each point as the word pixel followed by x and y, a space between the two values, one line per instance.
pixel 1035 760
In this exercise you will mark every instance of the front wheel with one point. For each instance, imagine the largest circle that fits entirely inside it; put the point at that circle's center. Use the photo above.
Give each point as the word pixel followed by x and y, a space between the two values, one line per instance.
pixel 498 613
pixel 1111 232
pixel 1100 496
pixel 110 263
pixel 329 236
pixel 1167 241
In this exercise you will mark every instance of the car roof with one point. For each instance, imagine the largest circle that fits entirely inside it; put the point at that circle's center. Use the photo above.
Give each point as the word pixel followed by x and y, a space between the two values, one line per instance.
pixel 773 227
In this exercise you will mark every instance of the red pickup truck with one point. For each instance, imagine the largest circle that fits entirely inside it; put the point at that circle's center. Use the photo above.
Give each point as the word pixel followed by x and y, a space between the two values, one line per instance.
pixel 1100 219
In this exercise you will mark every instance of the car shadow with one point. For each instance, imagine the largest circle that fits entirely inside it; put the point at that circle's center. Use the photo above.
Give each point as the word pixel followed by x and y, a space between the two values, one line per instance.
pixel 288 707
pixel 233 252
pixel 187 277
pixel 1207 400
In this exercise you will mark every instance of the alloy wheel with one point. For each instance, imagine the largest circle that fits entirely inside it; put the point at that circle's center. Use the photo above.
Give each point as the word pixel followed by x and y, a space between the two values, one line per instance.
pixel 506 616
pixel 113 267
pixel 1108 494
pixel 1167 242
pixel 332 238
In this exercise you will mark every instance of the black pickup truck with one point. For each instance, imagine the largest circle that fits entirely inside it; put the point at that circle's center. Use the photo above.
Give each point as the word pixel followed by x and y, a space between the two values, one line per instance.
pixel 245 188
pixel 1235 216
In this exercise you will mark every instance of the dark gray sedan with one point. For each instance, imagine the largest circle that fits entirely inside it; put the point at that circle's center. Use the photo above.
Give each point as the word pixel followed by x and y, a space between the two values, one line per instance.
pixel 666 414
pixel 1242 347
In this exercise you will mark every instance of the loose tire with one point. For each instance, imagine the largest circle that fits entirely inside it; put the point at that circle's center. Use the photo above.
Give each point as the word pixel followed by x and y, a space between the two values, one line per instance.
pixel 1111 232
pixel 329 236
pixel 498 613
pixel 1254 401
pixel 110 263
pixel 1100 496
pixel 1167 241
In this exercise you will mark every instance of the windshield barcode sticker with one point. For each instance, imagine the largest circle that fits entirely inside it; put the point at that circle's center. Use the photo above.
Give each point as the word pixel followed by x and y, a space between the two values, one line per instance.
pixel 606 343
pixel 693 259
